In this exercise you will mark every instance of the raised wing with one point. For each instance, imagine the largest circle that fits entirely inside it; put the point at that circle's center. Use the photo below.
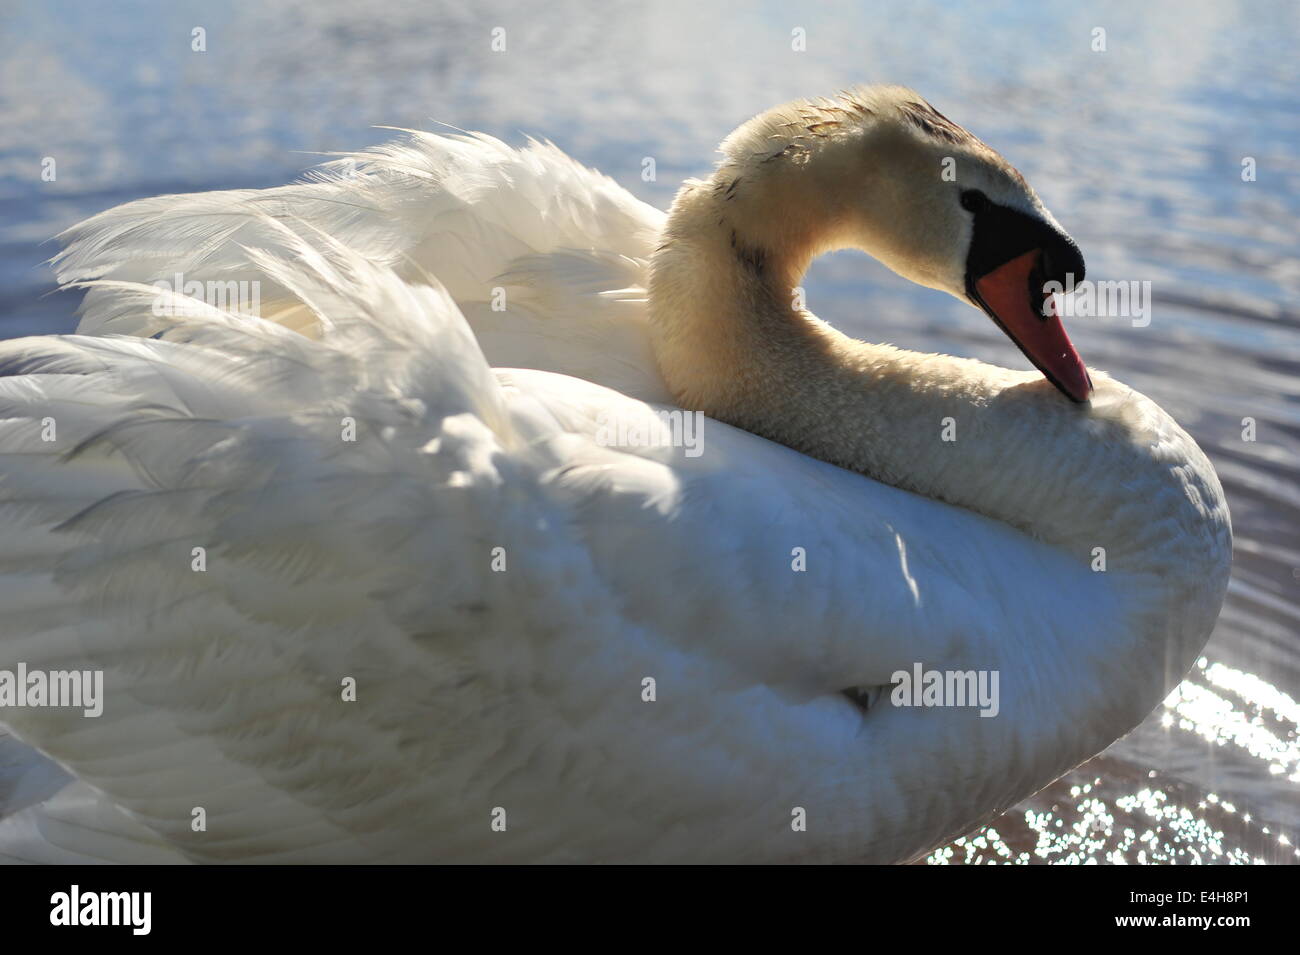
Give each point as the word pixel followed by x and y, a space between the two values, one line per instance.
pixel 545 257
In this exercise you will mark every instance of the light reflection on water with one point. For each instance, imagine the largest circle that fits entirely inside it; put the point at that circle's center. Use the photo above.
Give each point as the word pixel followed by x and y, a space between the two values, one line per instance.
pixel 1102 821
pixel 1108 810
pixel 1137 150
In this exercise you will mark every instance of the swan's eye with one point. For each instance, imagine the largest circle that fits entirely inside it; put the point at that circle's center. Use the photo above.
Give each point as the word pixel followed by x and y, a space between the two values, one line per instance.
pixel 974 200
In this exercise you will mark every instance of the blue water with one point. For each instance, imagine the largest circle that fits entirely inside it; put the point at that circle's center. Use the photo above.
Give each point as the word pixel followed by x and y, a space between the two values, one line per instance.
pixel 1137 149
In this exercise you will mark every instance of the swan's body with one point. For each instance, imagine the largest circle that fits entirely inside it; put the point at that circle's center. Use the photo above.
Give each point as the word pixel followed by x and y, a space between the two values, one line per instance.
pixel 477 688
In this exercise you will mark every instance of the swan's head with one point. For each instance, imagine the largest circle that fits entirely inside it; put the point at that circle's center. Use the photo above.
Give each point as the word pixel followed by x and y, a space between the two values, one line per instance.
pixel 880 169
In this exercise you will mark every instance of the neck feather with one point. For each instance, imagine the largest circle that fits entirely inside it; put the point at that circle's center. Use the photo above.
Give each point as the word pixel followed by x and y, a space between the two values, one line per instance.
pixel 1116 474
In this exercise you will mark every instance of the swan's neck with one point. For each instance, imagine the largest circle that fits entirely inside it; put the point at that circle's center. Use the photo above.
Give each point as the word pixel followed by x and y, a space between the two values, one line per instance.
pixel 732 340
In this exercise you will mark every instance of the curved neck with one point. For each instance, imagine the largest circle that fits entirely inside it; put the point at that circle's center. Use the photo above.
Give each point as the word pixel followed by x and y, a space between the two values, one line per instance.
pixel 732 340
pixel 1117 474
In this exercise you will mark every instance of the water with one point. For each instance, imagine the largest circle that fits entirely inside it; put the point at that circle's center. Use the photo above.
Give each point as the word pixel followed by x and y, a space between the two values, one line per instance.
pixel 1137 149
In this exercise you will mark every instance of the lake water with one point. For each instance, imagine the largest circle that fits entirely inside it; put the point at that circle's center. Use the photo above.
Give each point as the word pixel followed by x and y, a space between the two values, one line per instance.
pixel 1138 149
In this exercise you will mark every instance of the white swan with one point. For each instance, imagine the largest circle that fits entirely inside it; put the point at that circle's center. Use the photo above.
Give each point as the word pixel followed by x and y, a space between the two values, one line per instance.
pixel 185 510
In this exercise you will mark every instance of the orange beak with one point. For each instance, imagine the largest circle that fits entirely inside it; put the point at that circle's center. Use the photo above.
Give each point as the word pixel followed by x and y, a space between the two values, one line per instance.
pixel 1029 318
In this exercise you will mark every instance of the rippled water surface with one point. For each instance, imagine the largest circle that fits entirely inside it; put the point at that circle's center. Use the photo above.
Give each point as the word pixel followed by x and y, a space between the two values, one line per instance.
pixel 1138 150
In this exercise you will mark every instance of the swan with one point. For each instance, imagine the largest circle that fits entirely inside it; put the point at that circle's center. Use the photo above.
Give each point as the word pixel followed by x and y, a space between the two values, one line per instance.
pixel 367 579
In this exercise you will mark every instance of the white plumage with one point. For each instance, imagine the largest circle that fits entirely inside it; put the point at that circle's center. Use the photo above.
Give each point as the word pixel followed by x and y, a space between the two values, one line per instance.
pixel 480 689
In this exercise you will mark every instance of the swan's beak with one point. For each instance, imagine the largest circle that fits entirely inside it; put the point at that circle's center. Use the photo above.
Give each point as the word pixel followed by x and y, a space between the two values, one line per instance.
pixel 1013 297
